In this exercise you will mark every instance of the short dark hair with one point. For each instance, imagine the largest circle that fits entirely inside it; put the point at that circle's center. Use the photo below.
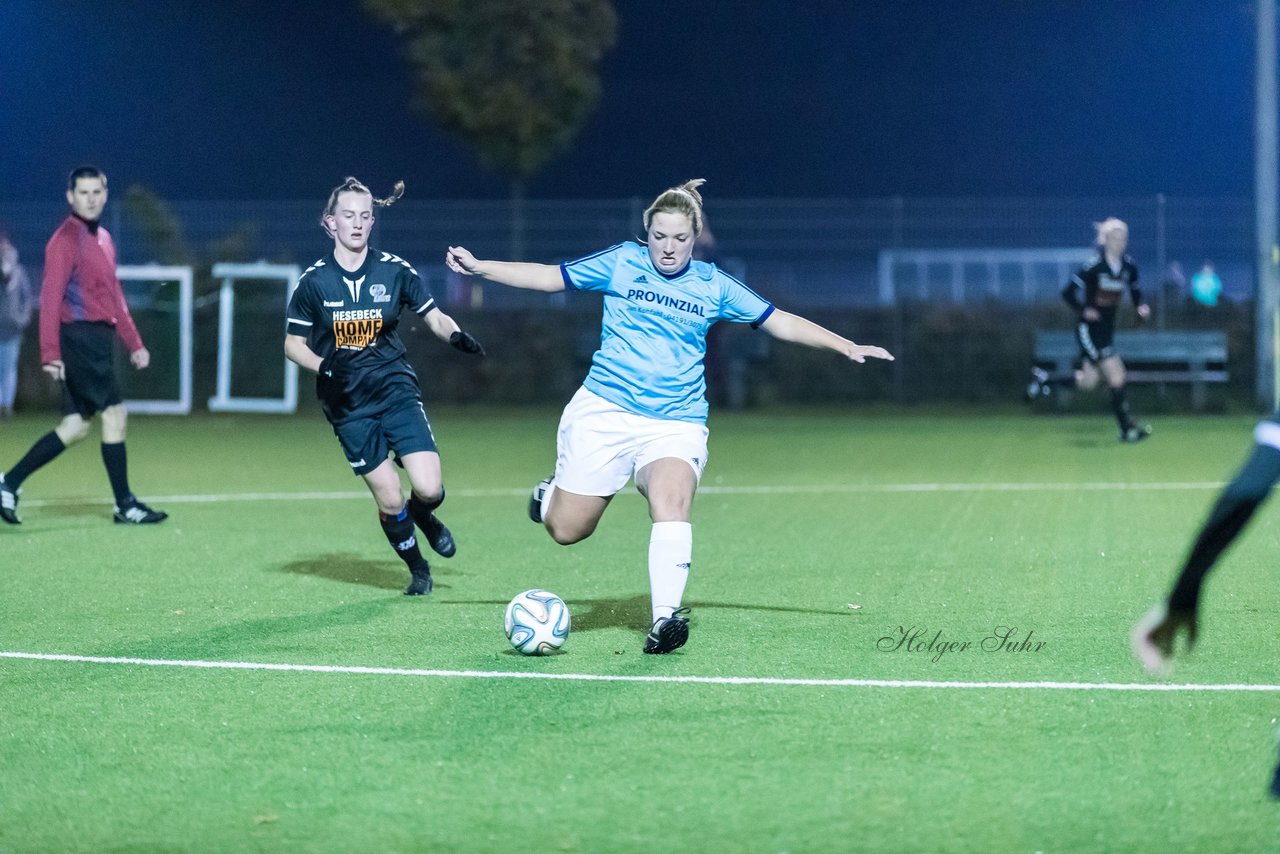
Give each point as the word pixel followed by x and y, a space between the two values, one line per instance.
pixel 85 172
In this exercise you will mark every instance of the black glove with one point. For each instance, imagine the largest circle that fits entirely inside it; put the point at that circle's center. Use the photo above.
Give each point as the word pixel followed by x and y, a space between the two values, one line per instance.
pixel 464 342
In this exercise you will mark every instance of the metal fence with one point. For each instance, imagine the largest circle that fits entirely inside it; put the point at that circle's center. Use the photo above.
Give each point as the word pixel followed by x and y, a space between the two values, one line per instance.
pixel 797 252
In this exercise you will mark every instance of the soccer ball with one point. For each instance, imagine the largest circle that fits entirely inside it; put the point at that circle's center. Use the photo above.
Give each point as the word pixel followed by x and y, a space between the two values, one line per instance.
pixel 537 622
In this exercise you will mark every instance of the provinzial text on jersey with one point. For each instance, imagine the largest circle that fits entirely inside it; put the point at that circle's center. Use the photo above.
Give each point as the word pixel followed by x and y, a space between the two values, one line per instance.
pixel 662 299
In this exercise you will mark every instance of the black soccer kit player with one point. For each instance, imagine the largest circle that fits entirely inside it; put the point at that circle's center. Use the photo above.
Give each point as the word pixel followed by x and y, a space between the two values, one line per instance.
pixel 367 388
pixel 1099 287
pixel 1096 285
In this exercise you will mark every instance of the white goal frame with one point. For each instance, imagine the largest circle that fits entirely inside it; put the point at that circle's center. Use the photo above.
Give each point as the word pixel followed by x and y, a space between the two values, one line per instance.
pixel 223 399
pixel 186 302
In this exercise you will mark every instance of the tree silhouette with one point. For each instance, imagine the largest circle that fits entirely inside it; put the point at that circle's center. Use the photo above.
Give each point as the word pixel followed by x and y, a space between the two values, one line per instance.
pixel 515 79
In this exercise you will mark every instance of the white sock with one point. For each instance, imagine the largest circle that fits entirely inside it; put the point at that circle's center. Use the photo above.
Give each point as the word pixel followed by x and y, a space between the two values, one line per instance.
pixel 670 553
pixel 546 500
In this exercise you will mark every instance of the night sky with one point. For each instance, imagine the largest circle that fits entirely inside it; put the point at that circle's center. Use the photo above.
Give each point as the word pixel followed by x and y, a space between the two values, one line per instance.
pixel 256 100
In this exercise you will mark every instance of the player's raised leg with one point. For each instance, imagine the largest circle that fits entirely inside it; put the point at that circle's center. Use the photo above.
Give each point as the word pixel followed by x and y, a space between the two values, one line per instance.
pixel 570 517
pixel 426 480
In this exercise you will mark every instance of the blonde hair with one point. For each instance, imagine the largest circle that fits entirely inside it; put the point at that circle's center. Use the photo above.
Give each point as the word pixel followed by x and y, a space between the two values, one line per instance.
pixel 353 185
pixel 1107 226
pixel 684 199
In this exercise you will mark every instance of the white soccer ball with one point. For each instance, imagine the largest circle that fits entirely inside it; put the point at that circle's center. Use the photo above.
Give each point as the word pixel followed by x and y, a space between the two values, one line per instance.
pixel 537 622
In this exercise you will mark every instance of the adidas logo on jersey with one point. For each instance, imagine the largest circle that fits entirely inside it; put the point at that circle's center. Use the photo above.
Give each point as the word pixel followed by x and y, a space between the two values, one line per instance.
pixel 641 278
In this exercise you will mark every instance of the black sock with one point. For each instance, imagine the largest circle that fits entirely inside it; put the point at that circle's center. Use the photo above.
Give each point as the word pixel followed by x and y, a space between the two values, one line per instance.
pixel 114 458
pixel 399 531
pixel 1120 406
pixel 45 449
pixel 1235 507
pixel 421 510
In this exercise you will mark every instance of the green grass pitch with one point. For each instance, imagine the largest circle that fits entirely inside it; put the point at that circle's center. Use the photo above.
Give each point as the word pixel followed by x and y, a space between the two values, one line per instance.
pixel 927 521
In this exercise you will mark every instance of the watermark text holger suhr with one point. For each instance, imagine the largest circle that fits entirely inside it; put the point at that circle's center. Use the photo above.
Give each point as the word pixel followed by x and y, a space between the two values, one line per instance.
pixel 915 639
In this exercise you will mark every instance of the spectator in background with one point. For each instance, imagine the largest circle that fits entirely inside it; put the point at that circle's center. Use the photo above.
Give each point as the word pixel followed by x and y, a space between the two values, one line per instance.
pixel 1206 287
pixel 17 299
pixel 82 312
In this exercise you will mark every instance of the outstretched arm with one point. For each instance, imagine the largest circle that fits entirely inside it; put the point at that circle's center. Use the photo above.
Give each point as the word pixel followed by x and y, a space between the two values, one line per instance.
pixel 515 274
pixel 791 327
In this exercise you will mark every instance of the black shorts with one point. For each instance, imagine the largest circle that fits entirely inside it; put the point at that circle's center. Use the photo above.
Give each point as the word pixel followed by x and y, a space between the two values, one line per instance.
pixel 1096 341
pixel 367 441
pixel 88 354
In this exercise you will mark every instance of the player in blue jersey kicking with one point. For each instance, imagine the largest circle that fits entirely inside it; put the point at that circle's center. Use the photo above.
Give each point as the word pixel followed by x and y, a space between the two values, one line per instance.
pixel 342 323
pixel 641 412
pixel 1154 637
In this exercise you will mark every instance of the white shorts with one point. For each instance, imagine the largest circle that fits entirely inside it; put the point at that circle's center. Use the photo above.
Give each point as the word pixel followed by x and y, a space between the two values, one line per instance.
pixel 600 445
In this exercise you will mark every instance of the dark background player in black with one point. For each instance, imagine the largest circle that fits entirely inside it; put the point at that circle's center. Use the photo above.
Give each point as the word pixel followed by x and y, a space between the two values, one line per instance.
pixel 342 323
pixel 1095 292
pixel 1154 636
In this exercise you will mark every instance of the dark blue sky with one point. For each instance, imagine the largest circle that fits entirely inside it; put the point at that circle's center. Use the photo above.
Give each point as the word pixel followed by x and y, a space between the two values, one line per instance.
pixel 273 100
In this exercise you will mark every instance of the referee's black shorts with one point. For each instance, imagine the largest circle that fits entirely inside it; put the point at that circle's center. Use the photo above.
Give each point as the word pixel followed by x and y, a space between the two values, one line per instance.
pixel 88 354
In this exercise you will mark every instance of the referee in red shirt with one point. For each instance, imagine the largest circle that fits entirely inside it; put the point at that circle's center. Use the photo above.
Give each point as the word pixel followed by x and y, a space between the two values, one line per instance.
pixel 82 311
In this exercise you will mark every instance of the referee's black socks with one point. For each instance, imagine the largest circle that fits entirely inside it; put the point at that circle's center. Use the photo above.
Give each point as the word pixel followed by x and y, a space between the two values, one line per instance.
pixel 117 463
pixel 399 531
pixel 43 451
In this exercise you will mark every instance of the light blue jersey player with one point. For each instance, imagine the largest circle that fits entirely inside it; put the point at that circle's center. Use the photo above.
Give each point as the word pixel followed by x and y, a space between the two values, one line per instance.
pixel 641 412
pixel 654 333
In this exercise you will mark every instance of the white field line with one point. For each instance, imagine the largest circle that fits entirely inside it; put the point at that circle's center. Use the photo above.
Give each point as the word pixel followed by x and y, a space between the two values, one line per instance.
pixel 798 489
pixel 597 677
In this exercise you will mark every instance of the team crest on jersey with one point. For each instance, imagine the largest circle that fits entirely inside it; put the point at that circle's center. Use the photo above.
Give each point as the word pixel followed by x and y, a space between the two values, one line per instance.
pixel 379 293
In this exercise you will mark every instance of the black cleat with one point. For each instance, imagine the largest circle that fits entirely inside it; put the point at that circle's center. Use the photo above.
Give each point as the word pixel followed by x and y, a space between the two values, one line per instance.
pixel 1135 434
pixel 9 503
pixel 1037 387
pixel 535 500
pixel 668 634
pixel 137 513
pixel 421 583
pixel 1275 784
pixel 439 538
